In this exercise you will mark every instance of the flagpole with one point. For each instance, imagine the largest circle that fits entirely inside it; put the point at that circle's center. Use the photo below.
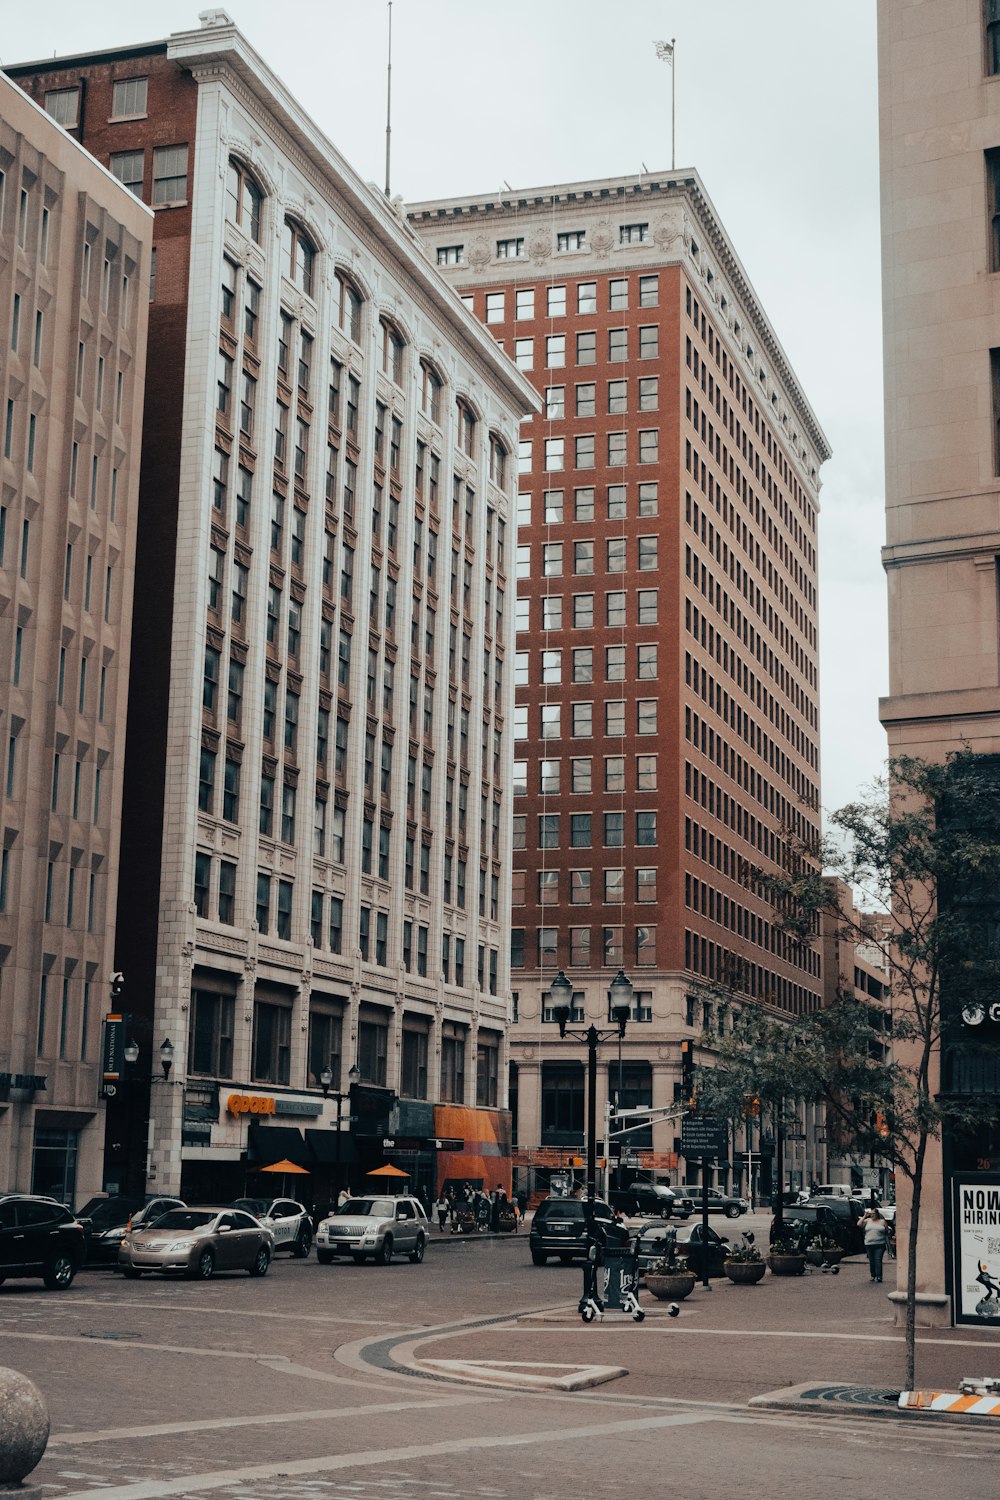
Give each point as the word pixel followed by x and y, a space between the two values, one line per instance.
pixel 673 104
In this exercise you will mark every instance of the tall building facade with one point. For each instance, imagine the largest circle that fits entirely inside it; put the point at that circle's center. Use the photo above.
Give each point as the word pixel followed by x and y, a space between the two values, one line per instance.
pixel 74 267
pixel 939 98
pixel 317 854
pixel 667 719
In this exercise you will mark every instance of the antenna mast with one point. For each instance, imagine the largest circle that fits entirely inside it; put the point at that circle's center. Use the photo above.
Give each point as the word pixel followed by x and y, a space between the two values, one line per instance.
pixel 388 105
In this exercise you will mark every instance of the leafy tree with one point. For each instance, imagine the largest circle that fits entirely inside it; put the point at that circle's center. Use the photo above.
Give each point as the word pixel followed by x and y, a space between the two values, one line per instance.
pixel 922 849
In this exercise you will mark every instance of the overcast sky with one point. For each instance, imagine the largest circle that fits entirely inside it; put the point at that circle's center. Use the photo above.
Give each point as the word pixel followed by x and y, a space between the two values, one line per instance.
pixel 777 111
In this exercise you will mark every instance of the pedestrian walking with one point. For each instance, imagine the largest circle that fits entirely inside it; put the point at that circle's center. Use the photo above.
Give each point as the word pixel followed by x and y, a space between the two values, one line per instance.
pixel 876 1232
pixel 442 1208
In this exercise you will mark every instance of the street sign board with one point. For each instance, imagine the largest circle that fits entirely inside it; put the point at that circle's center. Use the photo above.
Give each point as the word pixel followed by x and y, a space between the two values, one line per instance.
pixel 703 1136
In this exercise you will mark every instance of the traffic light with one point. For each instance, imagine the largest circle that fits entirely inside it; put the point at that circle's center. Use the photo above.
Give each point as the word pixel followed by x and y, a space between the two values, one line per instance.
pixel 881 1123
pixel 117 988
pixel 751 1106
pixel 687 1074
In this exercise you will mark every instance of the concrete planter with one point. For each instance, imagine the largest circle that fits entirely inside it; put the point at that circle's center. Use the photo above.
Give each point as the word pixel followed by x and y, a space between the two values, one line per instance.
pixel 670 1288
pixel 786 1265
pixel 744 1272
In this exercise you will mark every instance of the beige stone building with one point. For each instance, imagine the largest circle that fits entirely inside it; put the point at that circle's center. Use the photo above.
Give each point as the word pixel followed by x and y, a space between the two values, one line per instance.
pixel 939 87
pixel 74 274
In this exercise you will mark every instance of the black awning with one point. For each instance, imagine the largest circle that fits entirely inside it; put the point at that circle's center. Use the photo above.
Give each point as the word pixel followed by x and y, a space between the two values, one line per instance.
pixel 322 1145
pixel 267 1144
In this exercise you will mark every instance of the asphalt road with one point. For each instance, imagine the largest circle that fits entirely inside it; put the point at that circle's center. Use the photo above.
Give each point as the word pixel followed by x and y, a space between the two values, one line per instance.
pixel 318 1383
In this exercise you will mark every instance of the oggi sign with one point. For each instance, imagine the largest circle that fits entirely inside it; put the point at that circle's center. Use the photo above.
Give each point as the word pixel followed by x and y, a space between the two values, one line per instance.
pixel 250 1104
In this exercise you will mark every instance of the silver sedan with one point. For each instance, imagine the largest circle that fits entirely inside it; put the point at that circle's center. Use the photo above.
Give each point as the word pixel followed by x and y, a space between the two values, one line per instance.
pixel 198 1242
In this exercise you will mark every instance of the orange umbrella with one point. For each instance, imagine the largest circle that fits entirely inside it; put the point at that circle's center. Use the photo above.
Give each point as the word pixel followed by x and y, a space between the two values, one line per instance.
pixel 389 1171
pixel 285 1166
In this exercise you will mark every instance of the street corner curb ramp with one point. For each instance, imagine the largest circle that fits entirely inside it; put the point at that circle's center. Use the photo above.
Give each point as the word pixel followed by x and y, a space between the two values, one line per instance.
pixel 524 1374
pixel 979 1396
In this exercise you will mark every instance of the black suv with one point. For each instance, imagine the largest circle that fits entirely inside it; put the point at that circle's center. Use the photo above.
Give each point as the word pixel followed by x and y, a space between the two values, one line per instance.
pixel 104 1221
pixel 651 1200
pixel 559 1228
pixel 839 1219
pixel 39 1237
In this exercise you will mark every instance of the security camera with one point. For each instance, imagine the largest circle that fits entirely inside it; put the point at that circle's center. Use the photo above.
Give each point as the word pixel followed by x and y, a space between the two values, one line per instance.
pixel 118 977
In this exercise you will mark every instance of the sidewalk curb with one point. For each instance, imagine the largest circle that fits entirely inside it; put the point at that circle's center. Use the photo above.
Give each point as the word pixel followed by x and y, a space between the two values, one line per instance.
pixel 837 1400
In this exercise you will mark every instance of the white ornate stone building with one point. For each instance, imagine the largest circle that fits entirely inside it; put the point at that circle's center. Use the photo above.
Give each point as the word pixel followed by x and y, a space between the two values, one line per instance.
pixel 318 871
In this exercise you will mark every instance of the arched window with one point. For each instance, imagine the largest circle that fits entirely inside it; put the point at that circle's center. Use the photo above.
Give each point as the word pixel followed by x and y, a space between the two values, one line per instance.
pixel 349 309
pixel 498 461
pixel 297 256
pixel 243 199
pixel 466 428
pixel 391 352
pixel 430 392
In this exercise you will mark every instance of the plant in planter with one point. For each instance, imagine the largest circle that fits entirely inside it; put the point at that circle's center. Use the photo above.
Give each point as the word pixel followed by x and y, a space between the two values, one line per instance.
pixel 669 1278
pixel 744 1264
pixel 787 1258
pixel 823 1251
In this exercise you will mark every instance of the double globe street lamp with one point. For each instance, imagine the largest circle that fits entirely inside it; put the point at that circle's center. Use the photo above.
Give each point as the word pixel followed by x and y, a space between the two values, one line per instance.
pixel 325 1081
pixel 620 1006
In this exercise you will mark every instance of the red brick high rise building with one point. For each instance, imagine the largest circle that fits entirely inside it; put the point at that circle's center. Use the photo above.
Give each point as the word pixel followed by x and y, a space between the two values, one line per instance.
pixel 667 719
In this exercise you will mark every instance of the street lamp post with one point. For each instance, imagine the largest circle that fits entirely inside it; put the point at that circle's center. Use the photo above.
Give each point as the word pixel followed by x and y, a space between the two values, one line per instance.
pixel 326 1078
pixel 561 995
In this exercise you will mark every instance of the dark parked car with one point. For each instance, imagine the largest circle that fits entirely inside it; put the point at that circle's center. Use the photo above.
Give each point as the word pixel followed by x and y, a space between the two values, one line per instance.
pixel 39 1237
pixel 559 1228
pixel 718 1203
pixel 688 1246
pixel 838 1219
pixel 651 1200
pixel 104 1222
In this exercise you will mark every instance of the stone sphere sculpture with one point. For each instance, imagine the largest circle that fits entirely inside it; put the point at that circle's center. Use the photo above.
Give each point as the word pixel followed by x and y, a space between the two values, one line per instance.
pixel 24 1426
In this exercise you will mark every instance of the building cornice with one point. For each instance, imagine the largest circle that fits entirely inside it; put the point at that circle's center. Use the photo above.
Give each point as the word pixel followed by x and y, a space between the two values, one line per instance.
pixel 653 190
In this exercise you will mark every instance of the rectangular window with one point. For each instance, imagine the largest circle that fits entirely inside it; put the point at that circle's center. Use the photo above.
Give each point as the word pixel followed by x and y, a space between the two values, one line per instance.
pixel 647 604
pixel 524 303
pixel 618 295
pixel 555 351
pixel 127 167
pixel 494 307
pixel 649 291
pixel 556 301
pixel 584 451
pixel 555 402
pixel 633 234
pixel 586 297
pixel 649 341
pixel 64 107
pixel 617 345
pixel 583 611
pixel 449 255
pixel 649 493
pixel 524 353
pixel 646 716
pixel 583 720
pixel 572 239
pixel 645 773
pixel 170 164
pixel 128 98
pixel 649 446
pixel 580 774
pixel 583 504
pixel 554 454
pixel 586 348
pixel 614 830
pixel 512 249
pixel 586 399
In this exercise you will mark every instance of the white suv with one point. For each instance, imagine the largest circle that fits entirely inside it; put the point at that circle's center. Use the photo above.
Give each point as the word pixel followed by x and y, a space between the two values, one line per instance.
pixel 374 1227
pixel 288 1221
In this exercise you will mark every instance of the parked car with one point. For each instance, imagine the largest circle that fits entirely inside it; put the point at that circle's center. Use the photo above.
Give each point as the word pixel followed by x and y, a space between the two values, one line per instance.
pixel 689 1246
pixel 718 1203
pixel 197 1242
pixel 104 1222
pixel 831 1190
pixel 39 1237
pixel 837 1218
pixel 374 1228
pixel 559 1228
pixel 290 1223
pixel 650 1200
